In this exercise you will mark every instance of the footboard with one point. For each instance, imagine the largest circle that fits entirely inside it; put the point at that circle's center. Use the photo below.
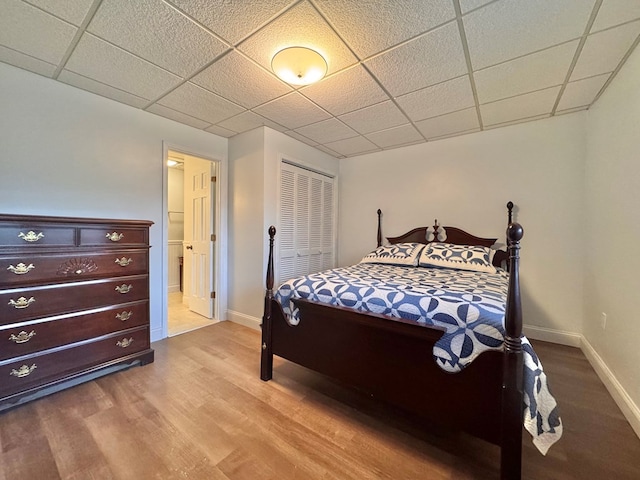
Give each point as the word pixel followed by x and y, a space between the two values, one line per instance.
pixel 392 360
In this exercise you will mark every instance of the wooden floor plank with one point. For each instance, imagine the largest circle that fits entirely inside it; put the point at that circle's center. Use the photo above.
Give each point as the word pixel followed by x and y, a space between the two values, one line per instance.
pixel 200 411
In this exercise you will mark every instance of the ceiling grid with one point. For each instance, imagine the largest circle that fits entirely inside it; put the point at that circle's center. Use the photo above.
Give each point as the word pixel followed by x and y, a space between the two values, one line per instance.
pixel 400 73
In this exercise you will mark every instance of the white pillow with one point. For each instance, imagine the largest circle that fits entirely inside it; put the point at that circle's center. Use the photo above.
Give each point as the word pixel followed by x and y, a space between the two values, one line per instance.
pixel 462 257
pixel 397 254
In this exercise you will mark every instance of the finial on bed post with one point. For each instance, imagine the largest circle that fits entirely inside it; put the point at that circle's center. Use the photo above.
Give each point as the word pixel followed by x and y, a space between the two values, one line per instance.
pixel 510 209
pixel 379 228
pixel 435 231
pixel 512 372
pixel 266 358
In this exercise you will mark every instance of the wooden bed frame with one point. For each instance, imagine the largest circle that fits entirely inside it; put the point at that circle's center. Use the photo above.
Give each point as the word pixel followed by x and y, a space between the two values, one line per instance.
pixel 392 360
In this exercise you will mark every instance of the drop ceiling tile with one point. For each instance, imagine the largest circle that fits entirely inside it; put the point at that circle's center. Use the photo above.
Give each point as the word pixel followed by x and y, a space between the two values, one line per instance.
pixel 292 111
pixel 156 32
pixel 467 5
pixel 439 99
pixel 72 11
pixel 177 116
pixel 510 28
pixel 329 151
pixel 377 117
pixel 301 26
pixel 96 59
pixel 603 51
pixel 396 136
pixel 516 108
pixel 582 92
pixel 200 103
pixel 240 80
pixel 302 138
pixel 26 62
pixel 381 23
pixel 18 23
pixel 525 74
pixel 352 146
pixel 518 121
pixel 455 122
pixel 222 132
pixel 232 20
pixel 615 12
pixel 327 131
pixel 248 121
pixel 457 134
pixel 71 78
pixel 571 110
pixel 346 91
pixel 430 59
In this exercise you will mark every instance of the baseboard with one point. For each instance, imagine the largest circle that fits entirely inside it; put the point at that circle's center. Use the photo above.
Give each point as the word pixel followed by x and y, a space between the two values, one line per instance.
pixel 173 288
pixel 561 337
pixel 156 334
pixel 629 409
pixel 242 319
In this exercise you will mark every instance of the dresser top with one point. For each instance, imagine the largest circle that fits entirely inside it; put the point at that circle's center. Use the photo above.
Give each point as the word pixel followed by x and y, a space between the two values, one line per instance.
pixel 25 219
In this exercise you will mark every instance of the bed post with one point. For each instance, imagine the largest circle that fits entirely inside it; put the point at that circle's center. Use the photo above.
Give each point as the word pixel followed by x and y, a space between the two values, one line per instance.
pixel 379 228
pixel 266 359
pixel 512 382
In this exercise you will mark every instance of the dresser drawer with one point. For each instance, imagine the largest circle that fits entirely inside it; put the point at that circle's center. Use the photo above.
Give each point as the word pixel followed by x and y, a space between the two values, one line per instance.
pixel 27 338
pixel 113 235
pixel 25 372
pixel 43 268
pixel 33 235
pixel 22 304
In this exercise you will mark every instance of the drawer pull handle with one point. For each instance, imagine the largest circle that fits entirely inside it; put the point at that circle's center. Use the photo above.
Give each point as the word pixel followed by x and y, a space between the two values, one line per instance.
pixel 125 342
pixel 124 316
pixel 115 236
pixel 21 303
pixel 124 288
pixel 23 371
pixel 124 261
pixel 21 268
pixel 22 337
pixel 31 236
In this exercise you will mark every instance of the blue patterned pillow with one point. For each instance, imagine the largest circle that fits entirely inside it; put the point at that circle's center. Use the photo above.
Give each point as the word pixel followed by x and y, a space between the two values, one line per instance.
pixel 398 254
pixel 462 257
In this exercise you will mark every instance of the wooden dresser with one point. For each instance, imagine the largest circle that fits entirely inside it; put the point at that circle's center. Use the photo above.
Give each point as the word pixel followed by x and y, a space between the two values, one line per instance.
pixel 74 301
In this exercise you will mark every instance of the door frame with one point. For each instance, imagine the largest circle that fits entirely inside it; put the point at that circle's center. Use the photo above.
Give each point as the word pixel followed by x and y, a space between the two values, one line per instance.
pixel 220 246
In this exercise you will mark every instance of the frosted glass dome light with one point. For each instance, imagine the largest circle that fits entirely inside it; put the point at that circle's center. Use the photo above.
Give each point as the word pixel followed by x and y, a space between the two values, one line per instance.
pixel 299 65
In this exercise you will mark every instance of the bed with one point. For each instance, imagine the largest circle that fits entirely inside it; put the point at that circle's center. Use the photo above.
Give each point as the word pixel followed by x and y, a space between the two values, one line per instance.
pixel 407 354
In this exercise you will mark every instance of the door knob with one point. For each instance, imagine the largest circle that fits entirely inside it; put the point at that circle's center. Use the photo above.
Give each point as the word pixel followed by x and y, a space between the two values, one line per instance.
pixel 189 247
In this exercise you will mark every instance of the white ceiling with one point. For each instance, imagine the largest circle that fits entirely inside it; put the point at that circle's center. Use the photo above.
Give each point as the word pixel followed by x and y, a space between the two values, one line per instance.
pixel 400 71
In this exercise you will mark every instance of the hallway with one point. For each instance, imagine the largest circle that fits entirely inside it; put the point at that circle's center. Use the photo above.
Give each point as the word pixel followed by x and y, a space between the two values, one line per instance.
pixel 181 319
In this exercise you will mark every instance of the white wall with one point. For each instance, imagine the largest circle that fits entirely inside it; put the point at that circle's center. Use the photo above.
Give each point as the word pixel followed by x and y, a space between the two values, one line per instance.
pixel 246 210
pixel 254 159
pixel 64 151
pixel 466 182
pixel 613 230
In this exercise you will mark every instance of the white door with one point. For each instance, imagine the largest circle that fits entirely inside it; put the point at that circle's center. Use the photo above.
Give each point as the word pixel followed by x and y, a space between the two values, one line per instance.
pixel 198 235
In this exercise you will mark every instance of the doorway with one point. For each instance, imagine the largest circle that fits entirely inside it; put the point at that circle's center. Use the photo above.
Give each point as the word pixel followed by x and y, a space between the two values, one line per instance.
pixel 192 209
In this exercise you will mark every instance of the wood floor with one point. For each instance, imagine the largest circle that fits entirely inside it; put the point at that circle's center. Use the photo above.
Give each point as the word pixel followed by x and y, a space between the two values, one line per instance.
pixel 201 412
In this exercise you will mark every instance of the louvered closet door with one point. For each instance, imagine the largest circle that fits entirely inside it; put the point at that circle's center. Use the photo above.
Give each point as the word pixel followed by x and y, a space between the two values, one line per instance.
pixel 306 233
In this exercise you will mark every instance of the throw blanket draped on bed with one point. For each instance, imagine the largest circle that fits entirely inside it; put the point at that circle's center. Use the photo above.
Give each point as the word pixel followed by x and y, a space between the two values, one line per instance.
pixel 469 305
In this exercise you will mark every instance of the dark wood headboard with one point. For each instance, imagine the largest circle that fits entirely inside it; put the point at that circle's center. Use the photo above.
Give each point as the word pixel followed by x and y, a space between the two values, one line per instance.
pixel 453 235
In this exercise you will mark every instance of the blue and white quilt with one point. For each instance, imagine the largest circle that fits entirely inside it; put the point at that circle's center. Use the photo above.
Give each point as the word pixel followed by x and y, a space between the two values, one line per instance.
pixel 469 305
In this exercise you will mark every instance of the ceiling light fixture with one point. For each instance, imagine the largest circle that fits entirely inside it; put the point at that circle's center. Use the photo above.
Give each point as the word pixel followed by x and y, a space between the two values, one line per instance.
pixel 299 65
